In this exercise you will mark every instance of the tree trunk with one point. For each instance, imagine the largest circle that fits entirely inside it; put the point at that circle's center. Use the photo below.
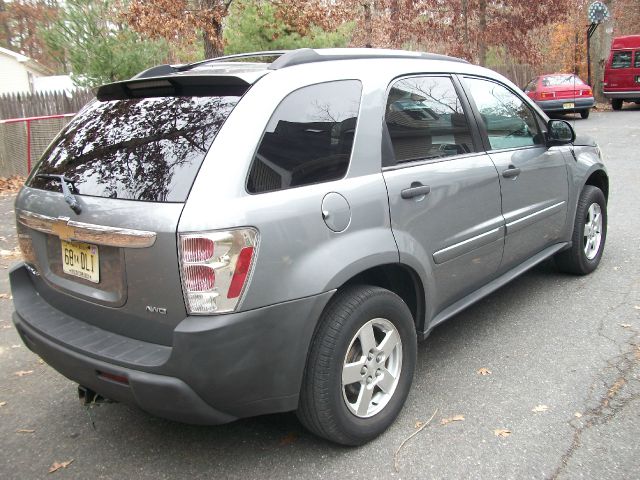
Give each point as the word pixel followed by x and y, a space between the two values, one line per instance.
pixel 482 31
pixel 5 41
pixel 367 25
pixel 465 33
pixel 212 47
pixel 395 24
pixel 600 46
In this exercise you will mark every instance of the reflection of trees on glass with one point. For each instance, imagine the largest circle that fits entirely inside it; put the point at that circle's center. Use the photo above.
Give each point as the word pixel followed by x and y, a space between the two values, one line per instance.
pixel 145 149
pixel 309 137
pixel 425 120
pixel 436 94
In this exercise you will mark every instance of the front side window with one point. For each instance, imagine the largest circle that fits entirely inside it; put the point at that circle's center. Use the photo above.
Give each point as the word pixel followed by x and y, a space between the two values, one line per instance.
pixel 308 139
pixel 621 60
pixel 425 120
pixel 509 121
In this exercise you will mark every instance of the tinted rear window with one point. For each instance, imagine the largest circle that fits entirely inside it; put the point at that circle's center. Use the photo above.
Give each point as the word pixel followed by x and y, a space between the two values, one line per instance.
pixel 557 80
pixel 308 139
pixel 146 149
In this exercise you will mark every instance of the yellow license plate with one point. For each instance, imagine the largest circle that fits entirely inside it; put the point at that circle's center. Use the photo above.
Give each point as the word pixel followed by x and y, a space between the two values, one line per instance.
pixel 568 105
pixel 81 260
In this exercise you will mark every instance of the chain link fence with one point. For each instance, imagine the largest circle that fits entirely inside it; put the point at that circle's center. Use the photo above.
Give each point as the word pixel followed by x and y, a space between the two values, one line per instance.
pixel 24 140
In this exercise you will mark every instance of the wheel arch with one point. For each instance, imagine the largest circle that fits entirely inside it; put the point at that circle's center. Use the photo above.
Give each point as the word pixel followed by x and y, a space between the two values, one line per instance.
pixel 399 279
pixel 600 180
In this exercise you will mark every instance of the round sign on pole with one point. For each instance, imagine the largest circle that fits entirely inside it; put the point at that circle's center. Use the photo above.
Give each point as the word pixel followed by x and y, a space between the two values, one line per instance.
pixel 597 12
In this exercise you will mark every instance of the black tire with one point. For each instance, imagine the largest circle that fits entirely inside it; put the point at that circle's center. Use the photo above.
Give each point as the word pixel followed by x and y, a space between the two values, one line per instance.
pixel 323 408
pixel 616 103
pixel 575 260
pixel 585 113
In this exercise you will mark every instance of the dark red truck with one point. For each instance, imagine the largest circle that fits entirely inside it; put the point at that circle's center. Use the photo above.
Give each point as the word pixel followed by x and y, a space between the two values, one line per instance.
pixel 622 72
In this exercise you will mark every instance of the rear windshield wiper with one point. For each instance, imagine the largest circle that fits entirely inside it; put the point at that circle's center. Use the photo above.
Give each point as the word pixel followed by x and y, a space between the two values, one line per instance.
pixel 68 196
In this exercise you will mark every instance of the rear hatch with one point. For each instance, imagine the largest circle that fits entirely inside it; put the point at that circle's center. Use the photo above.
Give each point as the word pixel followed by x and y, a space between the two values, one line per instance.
pixel 128 164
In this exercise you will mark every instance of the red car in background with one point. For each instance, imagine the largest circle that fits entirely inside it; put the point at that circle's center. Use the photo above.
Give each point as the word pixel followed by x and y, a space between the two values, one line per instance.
pixel 561 93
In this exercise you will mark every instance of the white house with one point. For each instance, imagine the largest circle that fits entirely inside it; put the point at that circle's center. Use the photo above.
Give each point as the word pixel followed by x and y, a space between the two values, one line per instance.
pixel 17 72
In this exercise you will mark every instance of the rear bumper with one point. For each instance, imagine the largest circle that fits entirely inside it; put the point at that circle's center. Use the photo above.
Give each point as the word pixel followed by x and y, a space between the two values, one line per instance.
pixel 627 95
pixel 558 105
pixel 218 369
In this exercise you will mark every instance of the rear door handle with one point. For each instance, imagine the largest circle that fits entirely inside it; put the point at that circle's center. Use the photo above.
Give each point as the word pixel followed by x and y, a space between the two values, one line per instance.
pixel 416 190
pixel 511 172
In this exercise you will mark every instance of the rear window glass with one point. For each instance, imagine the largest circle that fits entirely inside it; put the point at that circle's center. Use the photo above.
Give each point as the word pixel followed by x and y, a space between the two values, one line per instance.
pixel 146 149
pixel 621 60
pixel 308 139
pixel 557 80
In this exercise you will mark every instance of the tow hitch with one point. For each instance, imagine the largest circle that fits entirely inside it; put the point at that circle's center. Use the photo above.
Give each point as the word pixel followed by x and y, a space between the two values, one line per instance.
pixel 89 397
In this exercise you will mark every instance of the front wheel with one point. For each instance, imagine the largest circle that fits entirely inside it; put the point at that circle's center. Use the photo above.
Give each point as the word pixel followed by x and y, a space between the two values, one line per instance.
pixel 360 366
pixel 589 234
pixel 616 103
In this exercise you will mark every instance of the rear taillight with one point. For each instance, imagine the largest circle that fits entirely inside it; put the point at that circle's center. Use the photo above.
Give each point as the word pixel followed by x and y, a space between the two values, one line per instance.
pixel 216 268
pixel 544 95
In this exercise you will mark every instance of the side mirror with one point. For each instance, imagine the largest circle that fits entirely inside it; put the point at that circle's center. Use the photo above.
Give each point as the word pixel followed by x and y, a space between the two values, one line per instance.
pixel 559 132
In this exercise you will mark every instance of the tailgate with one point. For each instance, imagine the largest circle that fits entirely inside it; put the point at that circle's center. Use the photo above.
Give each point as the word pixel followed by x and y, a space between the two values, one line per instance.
pixel 135 287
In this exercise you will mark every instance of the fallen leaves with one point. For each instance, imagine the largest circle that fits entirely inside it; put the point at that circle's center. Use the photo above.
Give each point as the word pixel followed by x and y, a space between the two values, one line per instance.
pixel 2 404
pixel 540 408
pixel 288 439
pixel 11 254
pixel 625 325
pixel 22 373
pixel 455 418
pixel 58 465
pixel 484 371
pixel 25 430
pixel 577 415
pixel 5 327
pixel 615 388
pixel 10 185
pixel 502 432
pixel 6 296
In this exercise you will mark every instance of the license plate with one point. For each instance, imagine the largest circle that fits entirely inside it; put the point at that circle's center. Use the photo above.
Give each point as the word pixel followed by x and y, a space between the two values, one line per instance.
pixel 568 105
pixel 81 260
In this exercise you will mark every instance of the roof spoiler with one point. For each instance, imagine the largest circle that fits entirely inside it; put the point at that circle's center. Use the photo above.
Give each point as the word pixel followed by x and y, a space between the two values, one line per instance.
pixel 172 86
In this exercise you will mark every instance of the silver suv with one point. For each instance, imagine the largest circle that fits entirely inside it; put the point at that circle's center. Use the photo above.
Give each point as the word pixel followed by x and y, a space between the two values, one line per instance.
pixel 233 237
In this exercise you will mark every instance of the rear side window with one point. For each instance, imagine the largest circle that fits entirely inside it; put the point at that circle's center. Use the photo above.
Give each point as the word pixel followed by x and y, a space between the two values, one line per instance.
pixel 308 139
pixel 636 63
pixel 425 120
pixel 621 60
pixel 146 149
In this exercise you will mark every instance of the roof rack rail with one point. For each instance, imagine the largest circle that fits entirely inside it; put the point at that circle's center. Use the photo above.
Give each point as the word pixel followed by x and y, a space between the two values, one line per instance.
pixel 289 58
pixel 225 58
pixel 166 69
pixel 308 55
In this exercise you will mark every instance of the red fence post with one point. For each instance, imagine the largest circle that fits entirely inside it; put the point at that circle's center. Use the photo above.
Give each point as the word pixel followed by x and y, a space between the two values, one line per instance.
pixel 28 146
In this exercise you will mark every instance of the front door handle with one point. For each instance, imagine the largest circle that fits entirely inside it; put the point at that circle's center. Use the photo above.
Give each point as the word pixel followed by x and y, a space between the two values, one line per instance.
pixel 511 172
pixel 416 190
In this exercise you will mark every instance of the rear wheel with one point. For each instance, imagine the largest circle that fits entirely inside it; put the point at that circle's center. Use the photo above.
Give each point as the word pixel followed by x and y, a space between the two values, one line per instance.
pixel 585 113
pixel 360 366
pixel 589 234
pixel 616 103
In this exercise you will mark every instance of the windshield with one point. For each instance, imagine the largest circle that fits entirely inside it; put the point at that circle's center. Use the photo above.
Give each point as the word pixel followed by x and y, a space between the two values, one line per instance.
pixel 146 149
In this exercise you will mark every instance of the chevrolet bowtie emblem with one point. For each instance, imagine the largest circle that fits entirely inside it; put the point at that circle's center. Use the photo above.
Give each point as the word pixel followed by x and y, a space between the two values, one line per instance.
pixel 62 229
